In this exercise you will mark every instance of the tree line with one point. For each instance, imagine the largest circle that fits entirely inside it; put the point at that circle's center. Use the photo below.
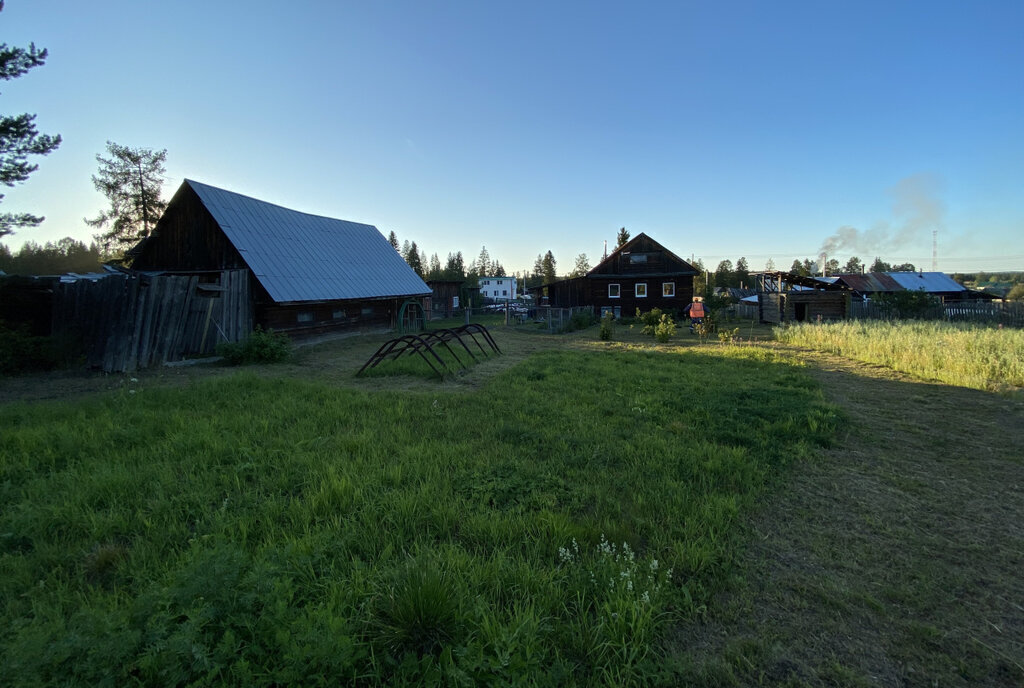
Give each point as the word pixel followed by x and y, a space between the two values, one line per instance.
pixel 852 266
pixel 456 268
pixel 51 258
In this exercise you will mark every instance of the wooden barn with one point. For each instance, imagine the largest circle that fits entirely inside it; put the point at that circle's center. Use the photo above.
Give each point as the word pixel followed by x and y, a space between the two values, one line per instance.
pixel 307 273
pixel 640 274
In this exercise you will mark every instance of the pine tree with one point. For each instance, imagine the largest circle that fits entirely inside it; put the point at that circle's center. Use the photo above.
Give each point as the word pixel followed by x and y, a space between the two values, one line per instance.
pixel 741 278
pixel 621 238
pixel 131 179
pixel 393 240
pixel 434 271
pixel 455 267
pixel 412 257
pixel 548 268
pixel 19 137
pixel 483 263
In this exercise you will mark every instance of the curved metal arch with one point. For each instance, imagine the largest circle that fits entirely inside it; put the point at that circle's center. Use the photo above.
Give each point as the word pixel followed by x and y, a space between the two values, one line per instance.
pixel 425 344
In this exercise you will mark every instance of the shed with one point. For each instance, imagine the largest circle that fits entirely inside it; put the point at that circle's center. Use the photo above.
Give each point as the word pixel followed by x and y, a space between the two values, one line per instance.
pixel 445 296
pixel 787 297
pixel 308 273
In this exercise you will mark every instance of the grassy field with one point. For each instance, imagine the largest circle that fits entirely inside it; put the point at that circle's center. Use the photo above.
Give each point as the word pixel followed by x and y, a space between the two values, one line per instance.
pixel 546 526
pixel 571 512
pixel 978 357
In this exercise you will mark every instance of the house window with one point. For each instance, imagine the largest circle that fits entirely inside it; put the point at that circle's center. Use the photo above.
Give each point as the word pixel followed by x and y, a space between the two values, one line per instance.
pixel 641 290
pixel 338 315
pixel 504 292
pixel 613 291
pixel 668 289
pixel 304 316
pixel 367 310
pixel 637 258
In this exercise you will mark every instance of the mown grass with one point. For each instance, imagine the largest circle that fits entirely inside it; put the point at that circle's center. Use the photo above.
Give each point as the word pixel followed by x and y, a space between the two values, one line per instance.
pixel 542 530
pixel 971 356
pixel 443 362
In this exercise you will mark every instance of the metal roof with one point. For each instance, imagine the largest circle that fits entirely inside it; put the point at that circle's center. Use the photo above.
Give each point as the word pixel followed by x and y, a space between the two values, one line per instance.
pixel 301 257
pixel 931 282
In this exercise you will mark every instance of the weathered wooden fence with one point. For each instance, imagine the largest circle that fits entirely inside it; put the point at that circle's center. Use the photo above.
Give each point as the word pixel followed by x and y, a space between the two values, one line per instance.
pixel 1007 313
pixel 126 322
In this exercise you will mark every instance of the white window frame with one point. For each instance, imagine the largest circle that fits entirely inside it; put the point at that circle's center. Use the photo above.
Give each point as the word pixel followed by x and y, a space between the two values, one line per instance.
pixel 668 287
pixel 636 289
pixel 618 291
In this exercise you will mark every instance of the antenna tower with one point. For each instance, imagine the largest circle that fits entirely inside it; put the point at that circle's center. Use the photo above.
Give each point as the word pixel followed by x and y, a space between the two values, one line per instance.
pixel 935 250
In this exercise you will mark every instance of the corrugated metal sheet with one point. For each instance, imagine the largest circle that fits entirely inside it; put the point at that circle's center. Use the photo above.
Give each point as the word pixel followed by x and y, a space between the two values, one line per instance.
pixel 931 282
pixel 871 282
pixel 301 257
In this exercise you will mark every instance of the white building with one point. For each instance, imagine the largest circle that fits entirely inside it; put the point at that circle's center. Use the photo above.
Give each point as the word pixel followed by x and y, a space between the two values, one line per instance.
pixel 498 288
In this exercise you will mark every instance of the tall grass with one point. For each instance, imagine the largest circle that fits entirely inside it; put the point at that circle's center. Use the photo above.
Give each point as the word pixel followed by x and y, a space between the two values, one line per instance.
pixel 542 530
pixel 959 354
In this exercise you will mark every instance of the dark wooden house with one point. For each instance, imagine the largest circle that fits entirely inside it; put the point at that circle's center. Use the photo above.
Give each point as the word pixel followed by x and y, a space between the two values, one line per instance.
pixel 308 273
pixel 640 274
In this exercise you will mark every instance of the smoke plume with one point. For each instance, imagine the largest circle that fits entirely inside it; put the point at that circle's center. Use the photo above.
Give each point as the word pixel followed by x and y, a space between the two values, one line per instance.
pixel 917 209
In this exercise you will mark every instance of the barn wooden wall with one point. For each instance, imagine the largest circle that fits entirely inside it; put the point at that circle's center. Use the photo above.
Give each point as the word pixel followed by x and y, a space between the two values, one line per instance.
pixel 134 321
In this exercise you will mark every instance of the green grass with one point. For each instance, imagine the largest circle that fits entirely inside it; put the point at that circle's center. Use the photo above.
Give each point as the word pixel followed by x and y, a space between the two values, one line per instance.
pixel 982 358
pixel 545 529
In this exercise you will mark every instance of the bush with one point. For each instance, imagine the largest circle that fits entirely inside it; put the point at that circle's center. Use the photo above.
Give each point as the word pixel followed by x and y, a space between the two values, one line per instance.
pixel 649 320
pixel 909 305
pixel 728 336
pixel 579 321
pixel 21 352
pixel 665 329
pixel 657 324
pixel 607 325
pixel 262 346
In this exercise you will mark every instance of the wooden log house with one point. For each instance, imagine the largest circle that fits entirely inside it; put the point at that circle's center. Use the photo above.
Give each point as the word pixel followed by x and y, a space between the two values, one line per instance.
pixel 640 274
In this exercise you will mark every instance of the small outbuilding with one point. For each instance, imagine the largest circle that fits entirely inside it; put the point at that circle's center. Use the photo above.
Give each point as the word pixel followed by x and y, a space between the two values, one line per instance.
pixel 787 297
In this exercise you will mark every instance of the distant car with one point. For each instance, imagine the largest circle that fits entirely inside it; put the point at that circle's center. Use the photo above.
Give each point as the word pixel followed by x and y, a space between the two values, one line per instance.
pixel 515 308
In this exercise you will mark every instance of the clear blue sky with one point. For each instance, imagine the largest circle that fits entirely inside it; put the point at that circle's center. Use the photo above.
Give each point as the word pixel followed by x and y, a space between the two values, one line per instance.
pixel 722 129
